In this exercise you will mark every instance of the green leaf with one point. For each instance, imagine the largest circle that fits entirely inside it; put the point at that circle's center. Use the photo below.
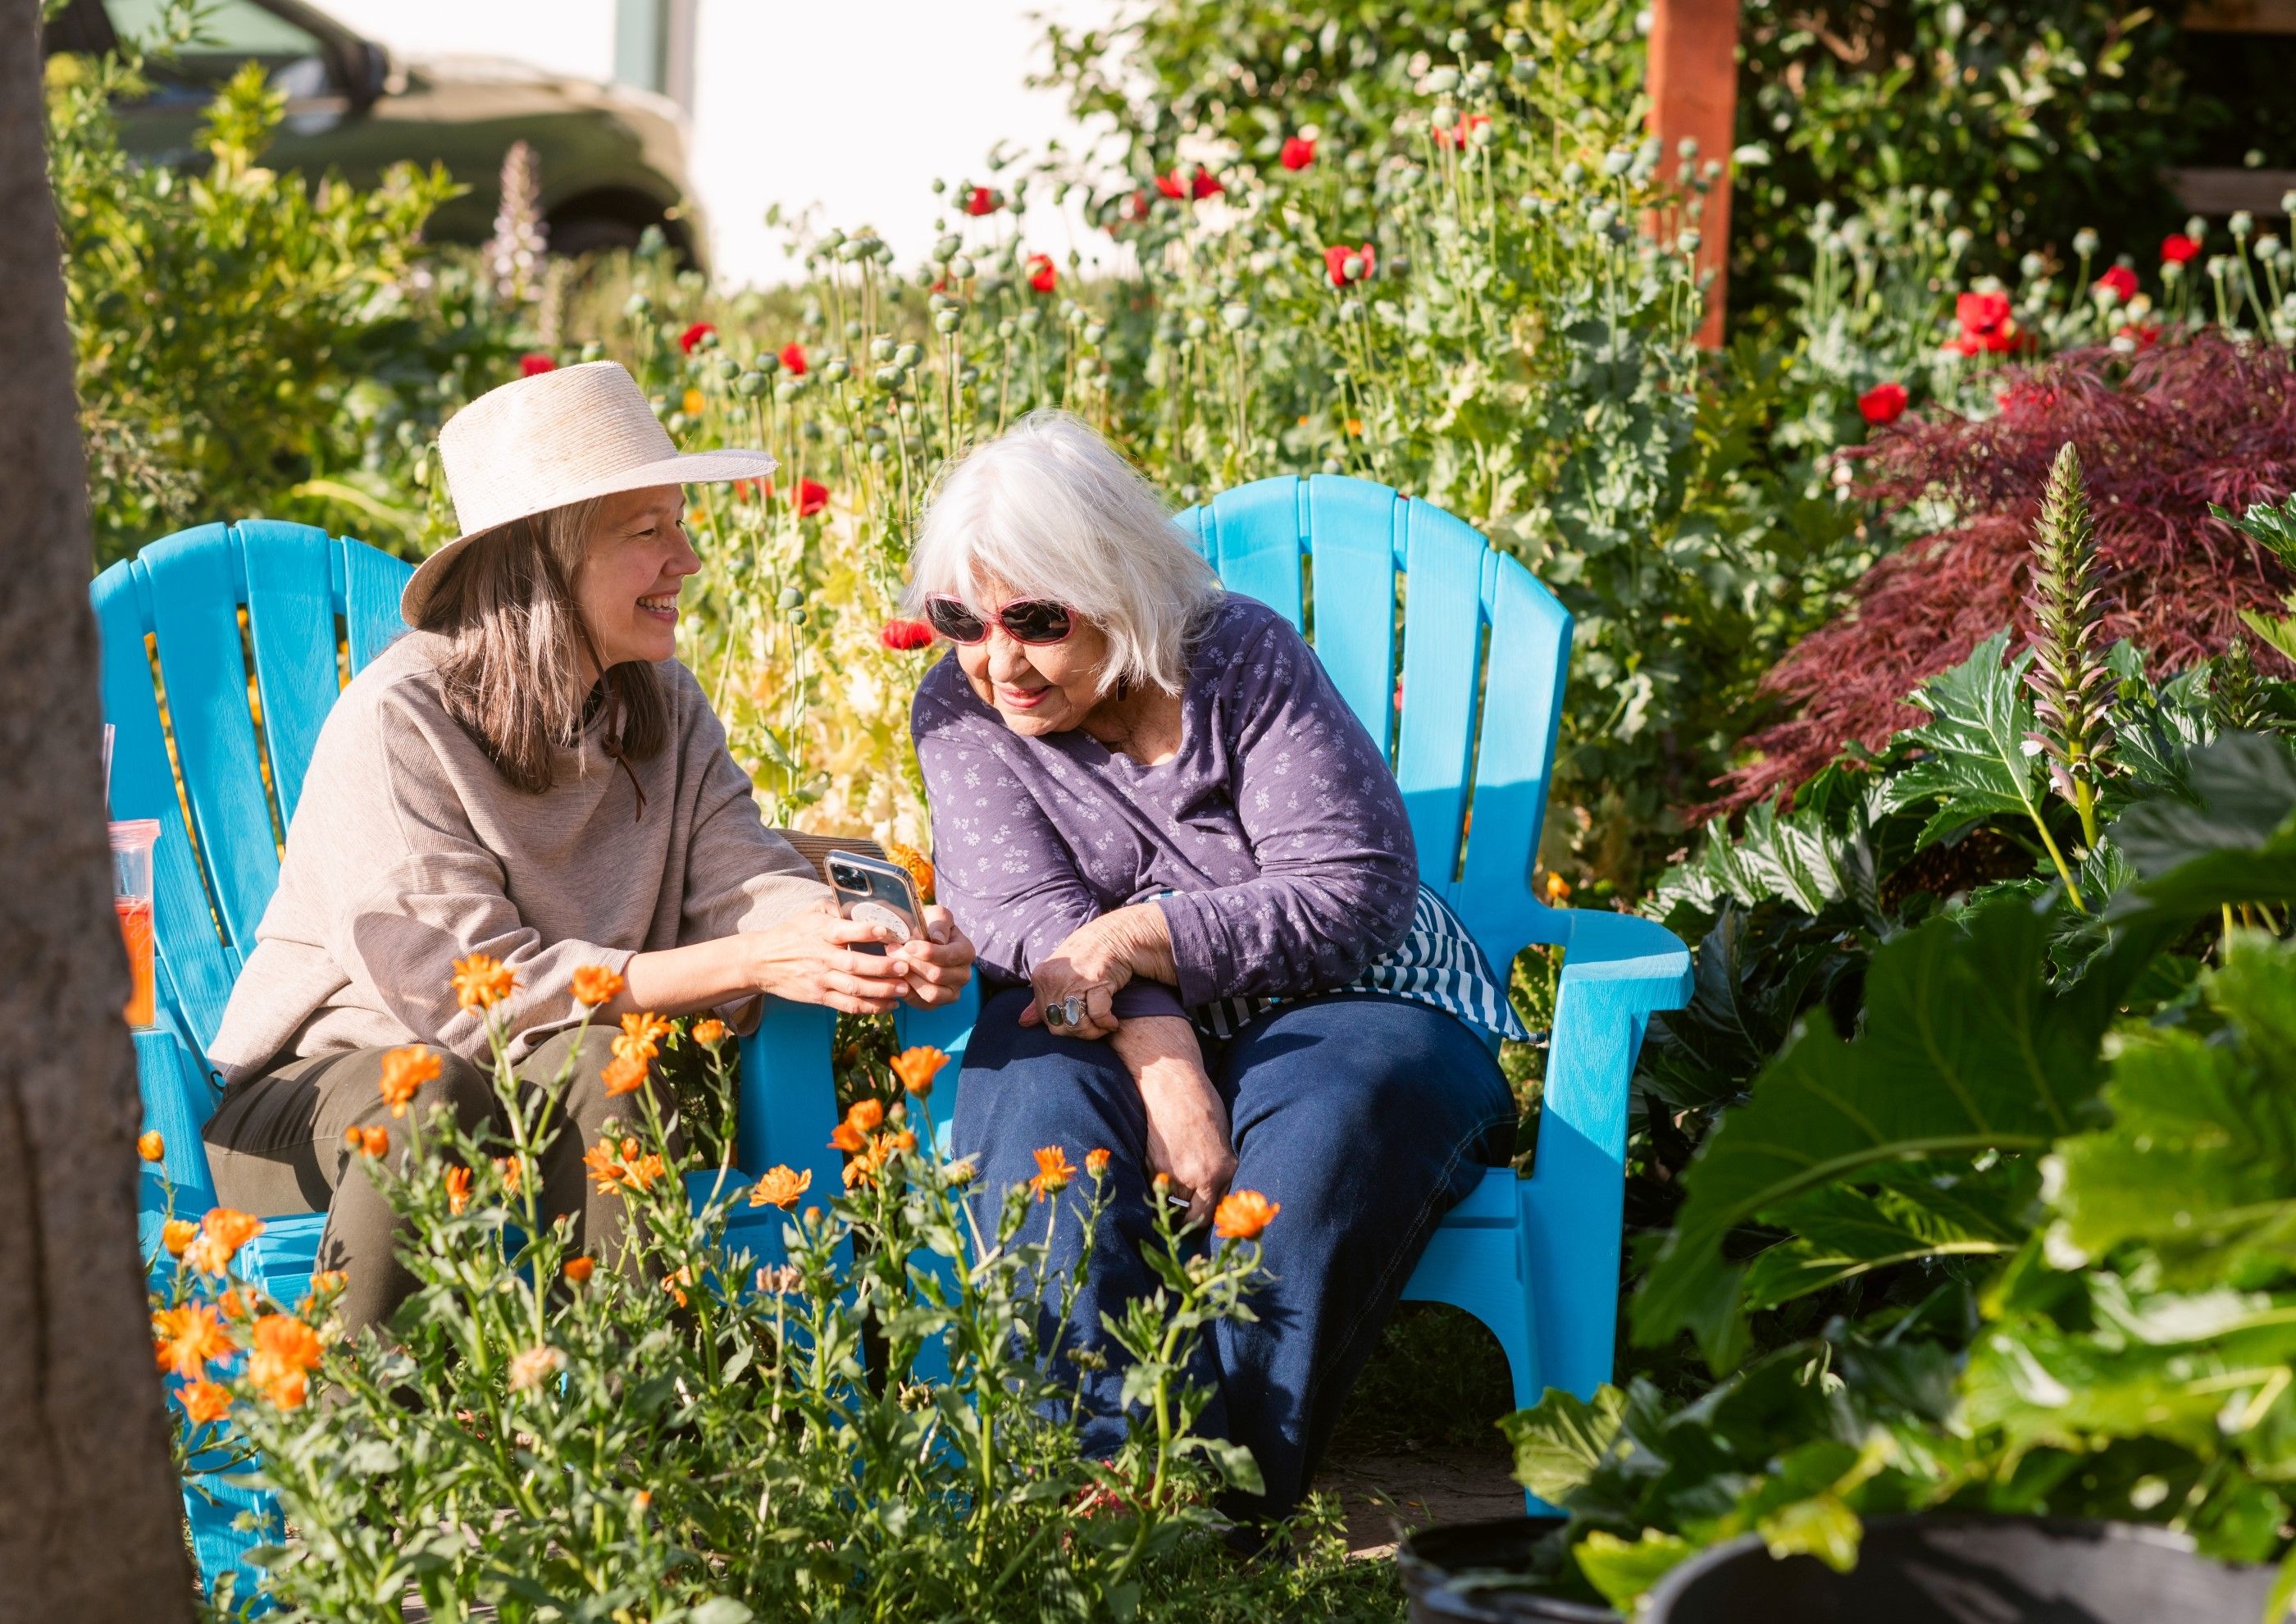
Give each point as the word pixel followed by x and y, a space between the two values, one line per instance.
pixel 1976 764
pixel 2244 785
pixel 1235 1462
pixel 1560 1440
pixel 1839 1232
pixel 1964 1050
pixel 1822 1526
pixel 2199 1161
pixel 1623 1570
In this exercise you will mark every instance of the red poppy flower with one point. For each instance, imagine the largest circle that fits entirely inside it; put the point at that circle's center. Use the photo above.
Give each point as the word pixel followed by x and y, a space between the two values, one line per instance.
pixel 1884 403
pixel 534 362
pixel 1298 153
pixel 1456 134
pixel 691 339
pixel 812 496
pixel 2177 248
pixel 1205 185
pixel 1336 263
pixel 748 488
pixel 1985 324
pixel 2143 337
pixel 794 360
pixel 1042 277
pixel 982 202
pixel 906 635
pixel 2121 280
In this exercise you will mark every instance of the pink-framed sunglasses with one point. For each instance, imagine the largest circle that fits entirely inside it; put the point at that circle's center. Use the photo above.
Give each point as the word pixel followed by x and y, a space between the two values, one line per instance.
pixel 1035 621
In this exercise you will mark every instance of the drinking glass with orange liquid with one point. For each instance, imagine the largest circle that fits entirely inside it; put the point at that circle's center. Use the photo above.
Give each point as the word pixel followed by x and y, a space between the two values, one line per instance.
pixel 131 898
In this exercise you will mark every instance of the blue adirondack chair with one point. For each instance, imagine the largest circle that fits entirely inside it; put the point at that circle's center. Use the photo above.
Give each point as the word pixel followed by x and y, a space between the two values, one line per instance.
pixel 1485 651
pixel 245 634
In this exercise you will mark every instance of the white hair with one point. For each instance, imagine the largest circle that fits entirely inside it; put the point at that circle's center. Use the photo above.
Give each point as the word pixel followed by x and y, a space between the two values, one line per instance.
pixel 1050 510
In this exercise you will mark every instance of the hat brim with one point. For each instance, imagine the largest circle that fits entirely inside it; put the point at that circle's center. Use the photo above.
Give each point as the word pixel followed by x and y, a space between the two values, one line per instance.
pixel 688 468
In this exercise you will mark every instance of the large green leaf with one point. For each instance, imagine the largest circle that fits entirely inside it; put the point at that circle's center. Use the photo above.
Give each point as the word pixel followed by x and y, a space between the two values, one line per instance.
pixel 1949 1211
pixel 1756 971
pixel 2244 794
pixel 2199 1161
pixel 1560 1440
pixel 1978 763
pixel 1964 1050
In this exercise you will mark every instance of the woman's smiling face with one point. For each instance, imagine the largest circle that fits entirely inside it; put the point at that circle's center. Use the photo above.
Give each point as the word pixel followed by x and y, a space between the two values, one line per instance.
pixel 1037 688
pixel 638 558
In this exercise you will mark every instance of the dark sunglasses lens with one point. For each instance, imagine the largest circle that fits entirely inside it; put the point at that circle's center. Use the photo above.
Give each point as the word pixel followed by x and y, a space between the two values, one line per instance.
pixel 1037 622
pixel 954 621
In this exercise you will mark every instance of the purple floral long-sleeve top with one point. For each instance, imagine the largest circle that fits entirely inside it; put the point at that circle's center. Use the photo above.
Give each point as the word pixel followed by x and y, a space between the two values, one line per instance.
pixel 1276 830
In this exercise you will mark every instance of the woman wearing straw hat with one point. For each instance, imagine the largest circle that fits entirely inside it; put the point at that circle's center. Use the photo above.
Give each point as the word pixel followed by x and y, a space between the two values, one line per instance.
pixel 529 774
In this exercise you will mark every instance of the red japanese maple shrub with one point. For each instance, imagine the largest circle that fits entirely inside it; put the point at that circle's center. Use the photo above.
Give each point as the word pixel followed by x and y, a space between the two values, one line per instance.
pixel 2161 436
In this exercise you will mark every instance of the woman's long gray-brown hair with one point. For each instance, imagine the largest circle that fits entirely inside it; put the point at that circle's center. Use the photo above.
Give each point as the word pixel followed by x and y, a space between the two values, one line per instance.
pixel 514 678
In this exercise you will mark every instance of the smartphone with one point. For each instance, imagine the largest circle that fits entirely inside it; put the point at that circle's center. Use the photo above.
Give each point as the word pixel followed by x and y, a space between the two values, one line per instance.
pixel 873 891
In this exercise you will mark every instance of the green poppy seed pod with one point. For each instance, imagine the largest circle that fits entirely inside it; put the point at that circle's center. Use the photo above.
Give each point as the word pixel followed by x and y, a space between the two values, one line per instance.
pixel 2172 271
pixel 810 429
pixel 1687 148
pixel 969 376
pixel 1198 326
pixel 945 322
pixel 1351 309
pixel 767 363
pixel 1331 464
pixel 908 411
pixel 638 307
pixel 1688 240
pixel 594 351
pixel 1094 331
pixel 1030 320
pixel 908 355
pixel 749 386
pixel 1456 42
pixel 1355 197
pixel 1007 328
pixel 2288 204
pixel 887 377
pixel 798 616
pixel 1617 161
pixel 1958 240
pixel 2085 243
pixel 831 240
pixel 1523 71
pixel 678 424
pixel 1574 173
pixel 2197 229
pixel 837 370
pixel 1351 269
pixel 728 368
pixel 791 598
pixel 852 249
pixel 1235 317
pixel 938 302
pixel 1599 218
pixel 1483 135
pixel 948 246
pixel 875 433
pixel 2220 267
pixel 2269 248
pixel 1515 42
pixel 1822 215
pixel 788 389
pixel 1441 82
pixel 2242 223
pixel 842 435
pixel 880 349
pixel 2032 266
pixel 938 185
pixel 881 453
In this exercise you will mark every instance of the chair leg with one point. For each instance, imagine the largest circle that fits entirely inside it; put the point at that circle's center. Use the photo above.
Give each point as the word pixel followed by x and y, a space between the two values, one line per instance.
pixel 213 1506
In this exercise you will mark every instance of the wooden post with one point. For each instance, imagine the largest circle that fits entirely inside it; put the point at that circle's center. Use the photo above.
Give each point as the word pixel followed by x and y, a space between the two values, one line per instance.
pixel 1693 89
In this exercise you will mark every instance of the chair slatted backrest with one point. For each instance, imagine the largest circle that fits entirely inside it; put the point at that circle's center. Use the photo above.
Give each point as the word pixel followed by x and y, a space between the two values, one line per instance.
pixel 224 648
pixel 1483 648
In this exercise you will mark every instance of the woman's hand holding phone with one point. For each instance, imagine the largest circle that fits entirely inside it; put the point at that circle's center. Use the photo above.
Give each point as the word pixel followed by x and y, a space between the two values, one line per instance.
pixel 813 957
pixel 938 964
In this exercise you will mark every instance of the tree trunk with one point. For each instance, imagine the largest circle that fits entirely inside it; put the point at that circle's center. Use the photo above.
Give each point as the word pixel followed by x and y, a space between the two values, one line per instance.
pixel 90 1518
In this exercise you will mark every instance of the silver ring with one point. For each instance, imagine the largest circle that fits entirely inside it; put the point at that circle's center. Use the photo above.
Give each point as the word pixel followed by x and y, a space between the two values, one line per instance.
pixel 1056 1015
pixel 1073 1007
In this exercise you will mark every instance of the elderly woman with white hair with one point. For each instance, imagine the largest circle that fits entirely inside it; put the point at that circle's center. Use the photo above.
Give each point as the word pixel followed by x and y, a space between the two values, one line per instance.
pixel 1194 891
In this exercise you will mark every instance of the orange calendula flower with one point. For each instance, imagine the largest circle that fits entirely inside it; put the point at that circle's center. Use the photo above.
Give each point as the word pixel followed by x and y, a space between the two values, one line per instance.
pixel 327 1280
pixel 594 984
pixel 185 1339
pixel 481 981
pixel 236 1305
pixel 676 1283
pixel 1054 1172
pixel 605 1167
pixel 1242 1214
pixel 642 1036
pixel 916 1067
pixel 176 1233
pixel 710 1033
pixel 150 1145
pixel 403 1072
pixel 286 1350
pixel 645 1172
pixel 903 1141
pixel 624 1074
pixel 780 1187
pixel 513 1172
pixel 1556 888
pixel 578 1269
pixel 1095 1164
pixel 367 1141
pixel 204 1401
pixel 867 1115
pixel 920 867
pixel 222 1233
pixel 458 1190
pixel 847 1138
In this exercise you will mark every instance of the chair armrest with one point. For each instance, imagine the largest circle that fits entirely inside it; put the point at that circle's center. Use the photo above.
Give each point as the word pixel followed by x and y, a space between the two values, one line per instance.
pixel 1640 965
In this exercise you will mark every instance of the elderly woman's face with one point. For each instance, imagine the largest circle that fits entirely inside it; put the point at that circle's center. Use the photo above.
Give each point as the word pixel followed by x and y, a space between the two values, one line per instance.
pixel 638 559
pixel 1037 688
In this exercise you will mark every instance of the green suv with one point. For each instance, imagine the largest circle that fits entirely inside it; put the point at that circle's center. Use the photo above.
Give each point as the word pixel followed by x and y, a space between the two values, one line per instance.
pixel 612 159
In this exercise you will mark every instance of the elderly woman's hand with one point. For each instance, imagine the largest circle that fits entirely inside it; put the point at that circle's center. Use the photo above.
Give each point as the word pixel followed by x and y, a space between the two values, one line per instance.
pixel 1090 966
pixel 1188 1138
pixel 939 965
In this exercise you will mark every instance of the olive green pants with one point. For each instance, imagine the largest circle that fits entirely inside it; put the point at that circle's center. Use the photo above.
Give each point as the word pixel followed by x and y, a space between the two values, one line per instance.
pixel 277 1145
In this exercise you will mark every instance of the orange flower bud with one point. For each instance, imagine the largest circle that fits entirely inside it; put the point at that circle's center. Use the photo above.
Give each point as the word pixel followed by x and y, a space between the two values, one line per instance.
pixel 1095 1164
pixel 710 1033
pixel 578 1269
pixel 458 1190
pixel 150 1145
pixel 916 1067
pixel 1242 1214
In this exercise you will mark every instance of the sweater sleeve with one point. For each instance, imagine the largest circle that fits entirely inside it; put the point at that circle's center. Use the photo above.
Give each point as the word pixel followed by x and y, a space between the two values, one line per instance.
pixel 740 875
pixel 1325 821
pixel 999 864
pixel 434 893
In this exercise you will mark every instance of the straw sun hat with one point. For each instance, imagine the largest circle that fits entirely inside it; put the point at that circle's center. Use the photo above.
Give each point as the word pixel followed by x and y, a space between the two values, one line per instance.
pixel 558 437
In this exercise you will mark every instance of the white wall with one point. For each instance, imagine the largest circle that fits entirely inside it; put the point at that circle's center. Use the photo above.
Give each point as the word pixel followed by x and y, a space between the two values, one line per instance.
pixel 853 105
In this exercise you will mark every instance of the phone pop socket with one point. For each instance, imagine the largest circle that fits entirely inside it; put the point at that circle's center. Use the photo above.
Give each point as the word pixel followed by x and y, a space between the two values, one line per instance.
pixel 878 913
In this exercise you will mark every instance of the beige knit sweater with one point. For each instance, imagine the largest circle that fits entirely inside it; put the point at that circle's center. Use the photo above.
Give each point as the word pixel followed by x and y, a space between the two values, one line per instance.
pixel 408 850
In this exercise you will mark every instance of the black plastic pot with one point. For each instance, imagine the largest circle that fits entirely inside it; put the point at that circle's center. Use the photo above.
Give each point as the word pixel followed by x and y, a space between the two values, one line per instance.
pixel 1456 1573
pixel 1970 1570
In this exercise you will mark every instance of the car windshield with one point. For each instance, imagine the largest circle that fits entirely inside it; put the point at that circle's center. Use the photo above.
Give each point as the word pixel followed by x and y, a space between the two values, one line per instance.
pixel 229 32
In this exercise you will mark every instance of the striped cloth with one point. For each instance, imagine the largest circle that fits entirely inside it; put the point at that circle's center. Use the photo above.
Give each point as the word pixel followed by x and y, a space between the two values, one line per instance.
pixel 1436 963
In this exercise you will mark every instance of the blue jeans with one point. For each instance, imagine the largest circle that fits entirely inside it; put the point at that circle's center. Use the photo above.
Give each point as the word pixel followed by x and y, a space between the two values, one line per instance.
pixel 1366 1115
